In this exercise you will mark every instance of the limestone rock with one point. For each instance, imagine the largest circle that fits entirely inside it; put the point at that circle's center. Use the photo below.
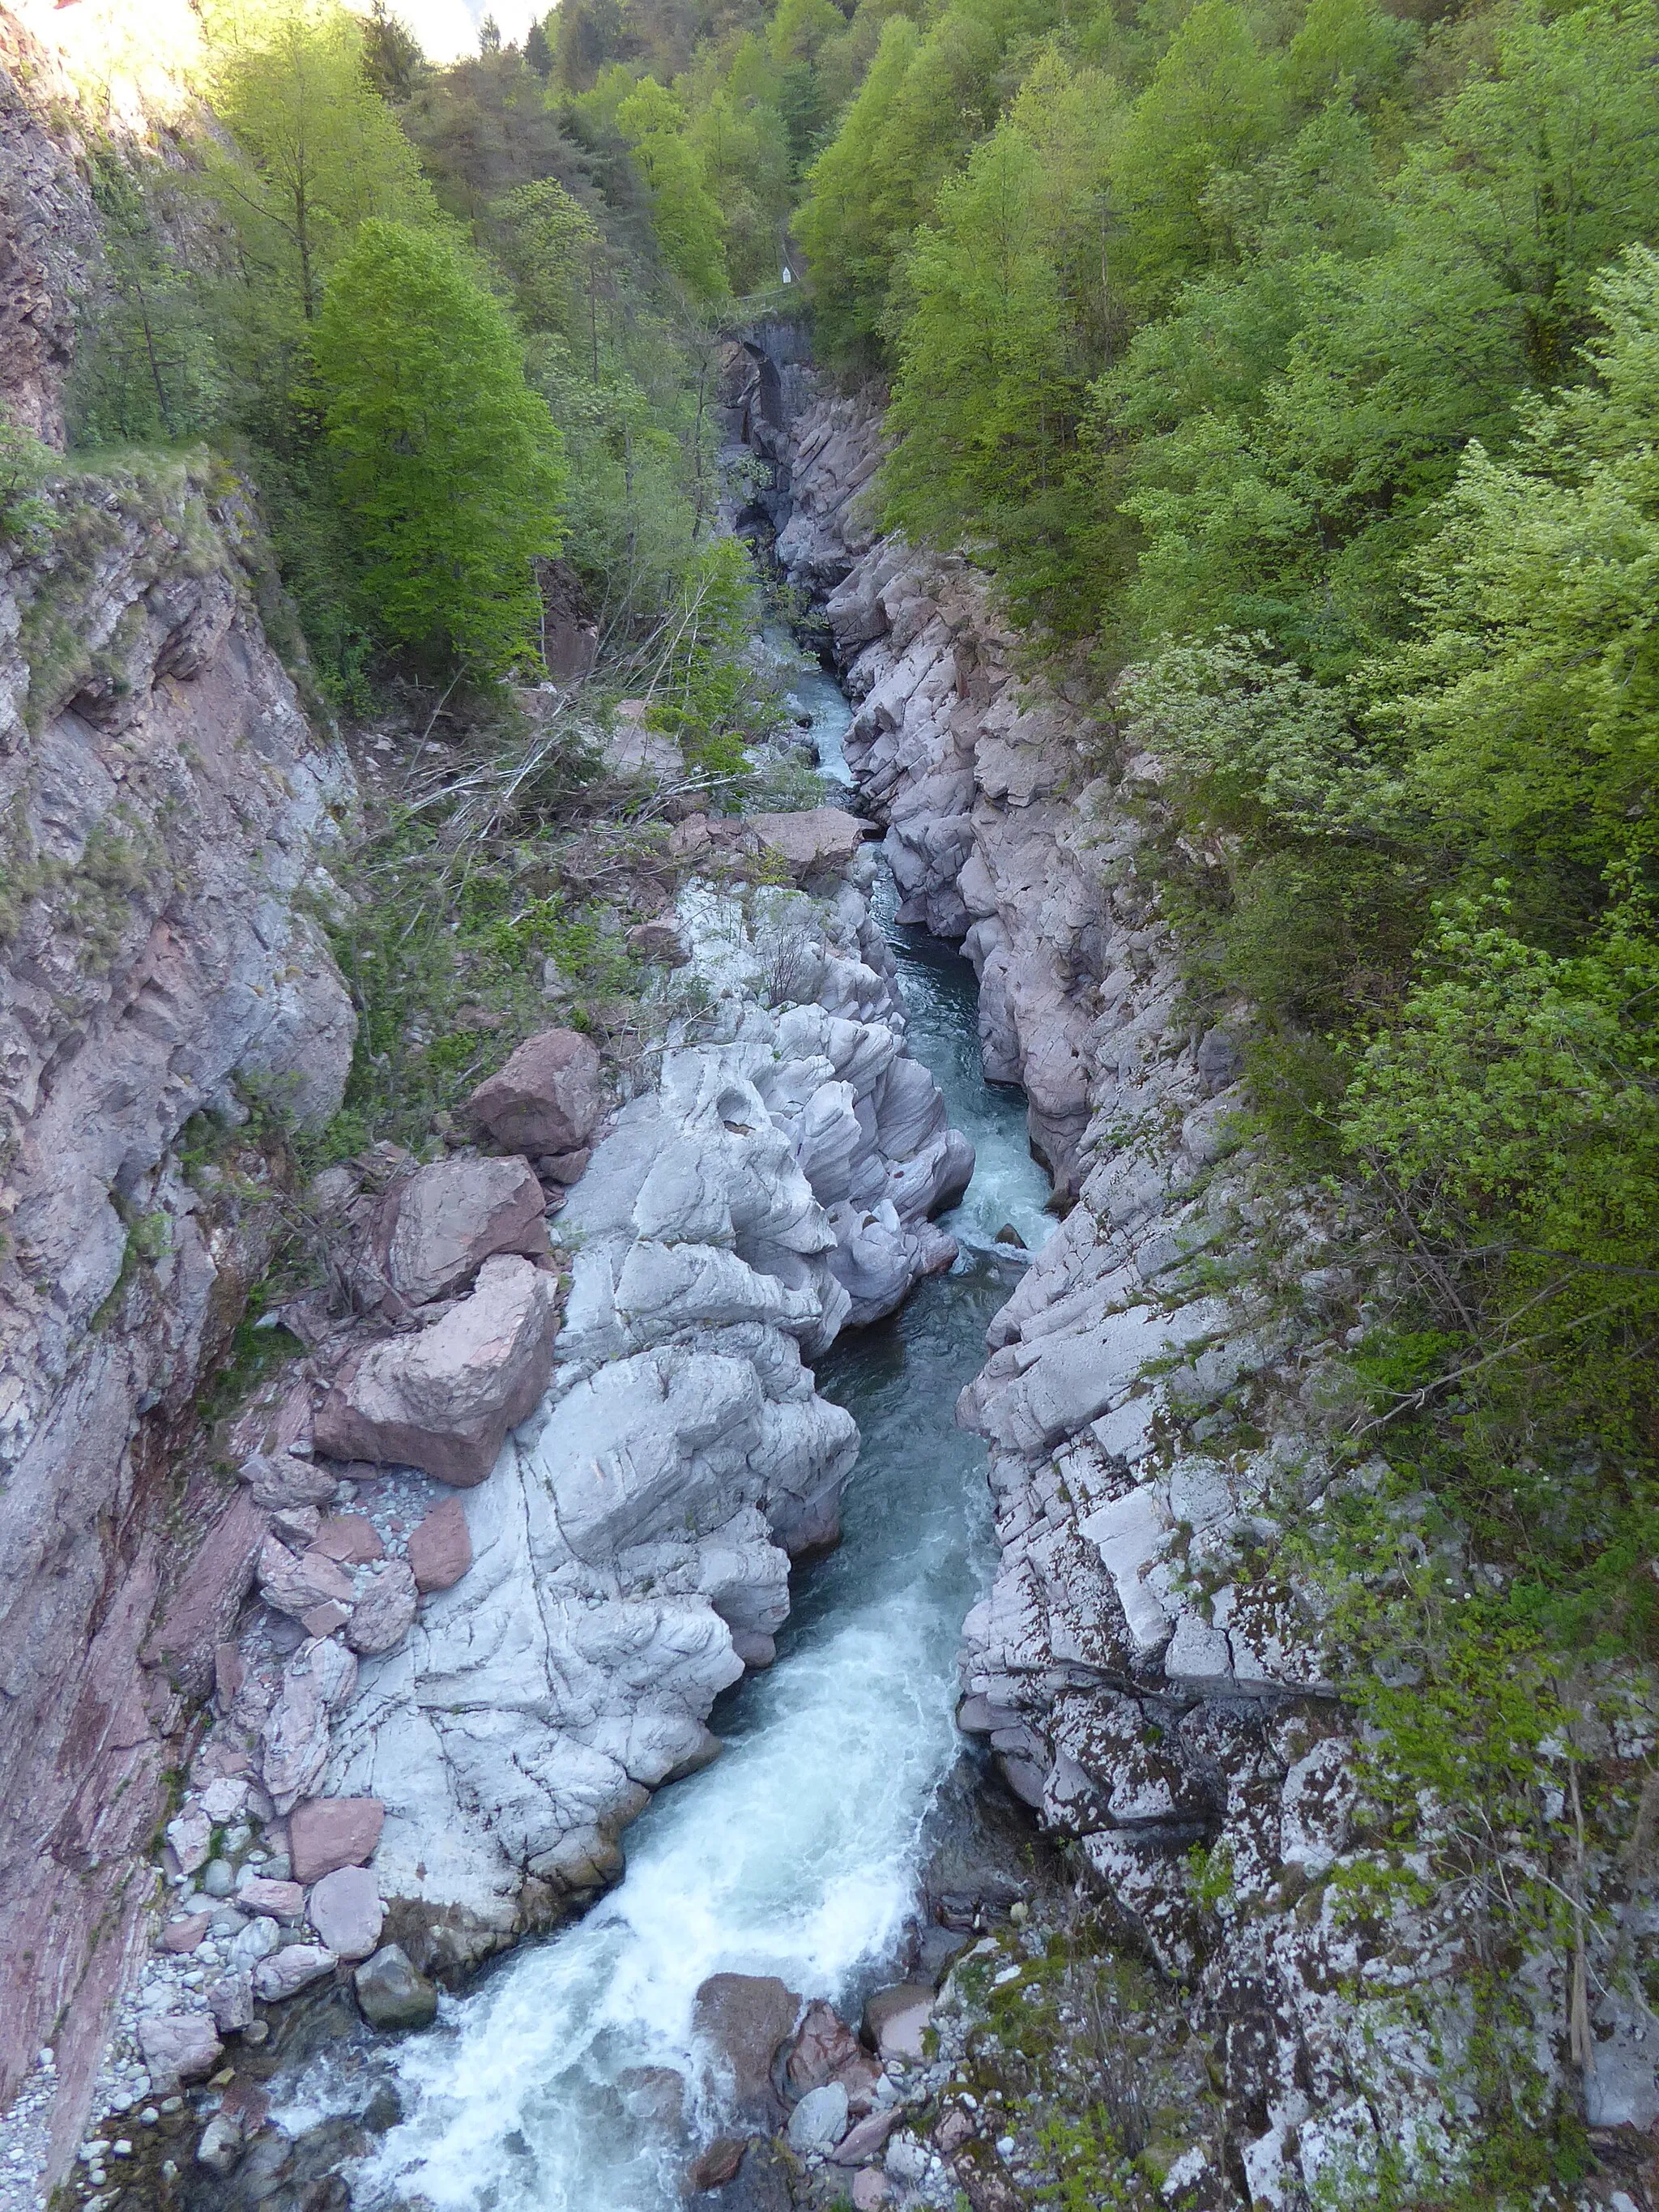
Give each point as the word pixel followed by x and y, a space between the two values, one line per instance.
pixel 392 1994
pixel 441 1226
pixel 547 1098
pixel 287 1972
pixel 345 1908
pixel 178 2047
pixel 444 1398
pixel 381 1617
pixel 819 2121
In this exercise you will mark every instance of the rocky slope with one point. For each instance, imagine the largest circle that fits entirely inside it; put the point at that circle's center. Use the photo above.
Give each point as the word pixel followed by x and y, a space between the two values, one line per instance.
pixel 1145 1667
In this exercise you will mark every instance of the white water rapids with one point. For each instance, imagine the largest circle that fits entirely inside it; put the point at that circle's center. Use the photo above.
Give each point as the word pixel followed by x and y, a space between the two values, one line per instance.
pixel 796 1853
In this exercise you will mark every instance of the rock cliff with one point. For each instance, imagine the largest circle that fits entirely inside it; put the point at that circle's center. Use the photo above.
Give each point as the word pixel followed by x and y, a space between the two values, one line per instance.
pixel 169 816
pixel 1146 1668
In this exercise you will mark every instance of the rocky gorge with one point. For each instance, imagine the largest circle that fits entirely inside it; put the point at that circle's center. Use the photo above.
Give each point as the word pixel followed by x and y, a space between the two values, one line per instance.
pixel 341 1652
pixel 1148 1668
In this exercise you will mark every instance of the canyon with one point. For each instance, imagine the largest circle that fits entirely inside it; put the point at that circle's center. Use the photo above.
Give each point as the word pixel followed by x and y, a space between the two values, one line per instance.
pixel 358 1687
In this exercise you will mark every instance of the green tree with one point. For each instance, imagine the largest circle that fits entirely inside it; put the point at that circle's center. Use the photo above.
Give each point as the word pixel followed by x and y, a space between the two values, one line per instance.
pixel 1214 104
pixel 317 150
pixel 392 59
pixel 685 218
pixel 449 468
pixel 847 237
pixel 1009 299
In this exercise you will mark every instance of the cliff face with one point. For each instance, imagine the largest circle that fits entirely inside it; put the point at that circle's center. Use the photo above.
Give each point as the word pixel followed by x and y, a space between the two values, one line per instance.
pixel 48 235
pixel 167 817
pixel 1147 1666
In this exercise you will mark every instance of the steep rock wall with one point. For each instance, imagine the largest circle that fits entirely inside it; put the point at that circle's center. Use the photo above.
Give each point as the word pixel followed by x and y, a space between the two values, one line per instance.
pixel 168 815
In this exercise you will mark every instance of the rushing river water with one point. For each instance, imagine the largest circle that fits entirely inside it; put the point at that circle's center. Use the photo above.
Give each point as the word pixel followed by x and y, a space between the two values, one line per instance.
pixel 796 1853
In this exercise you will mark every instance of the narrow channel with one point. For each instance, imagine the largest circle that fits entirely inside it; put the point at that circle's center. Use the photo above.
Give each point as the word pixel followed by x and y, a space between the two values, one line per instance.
pixel 796 1853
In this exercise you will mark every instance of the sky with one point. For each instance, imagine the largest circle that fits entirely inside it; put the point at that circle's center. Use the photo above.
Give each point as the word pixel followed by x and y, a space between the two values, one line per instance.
pixel 449 28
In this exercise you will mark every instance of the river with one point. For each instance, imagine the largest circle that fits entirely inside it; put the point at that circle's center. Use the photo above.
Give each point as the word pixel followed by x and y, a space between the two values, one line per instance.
pixel 796 1853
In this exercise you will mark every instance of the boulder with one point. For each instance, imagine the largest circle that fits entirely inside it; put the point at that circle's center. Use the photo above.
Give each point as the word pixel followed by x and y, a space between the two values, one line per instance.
pixel 743 2019
pixel 220 2147
pixel 657 940
pixel 894 2019
pixel 867 2139
pixel 392 1994
pixel 290 1969
pixel 295 1583
pixel 444 1398
pixel 294 1740
pixel 351 1538
pixel 181 1935
pixel 823 840
pixel 282 1900
pixel 332 1832
pixel 178 2047
pixel 281 1481
pixel 819 2121
pixel 546 1099
pixel 190 1838
pixel 256 1941
pixel 381 1617
pixel 824 2046
pixel 440 1547
pixel 871 2189
pixel 345 1909
pixel 439 1227
pixel 203 1608
pixel 566 1168
pixel 655 2094
pixel 230 1999
pixel 716 2165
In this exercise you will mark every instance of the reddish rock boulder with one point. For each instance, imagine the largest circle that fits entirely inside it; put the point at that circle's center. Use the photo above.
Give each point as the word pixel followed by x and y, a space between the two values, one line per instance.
pixel 547 1098
pixel 895 2018
pixel 202 1611
pixel 440 1547
pixel 821 841
pixel 445 1398
pixel 327 1832
pixel 293 1582
pixel 717 2164
pixel 351 1538
pixel 439 1228
pixel 743 2019
pixel 281 1901
pixel 181 1935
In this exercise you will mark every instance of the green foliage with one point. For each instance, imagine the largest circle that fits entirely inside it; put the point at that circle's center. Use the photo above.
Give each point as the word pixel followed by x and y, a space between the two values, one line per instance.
pixel 685 218
pixel 317 150
pixel 24 465
pixel 448 466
